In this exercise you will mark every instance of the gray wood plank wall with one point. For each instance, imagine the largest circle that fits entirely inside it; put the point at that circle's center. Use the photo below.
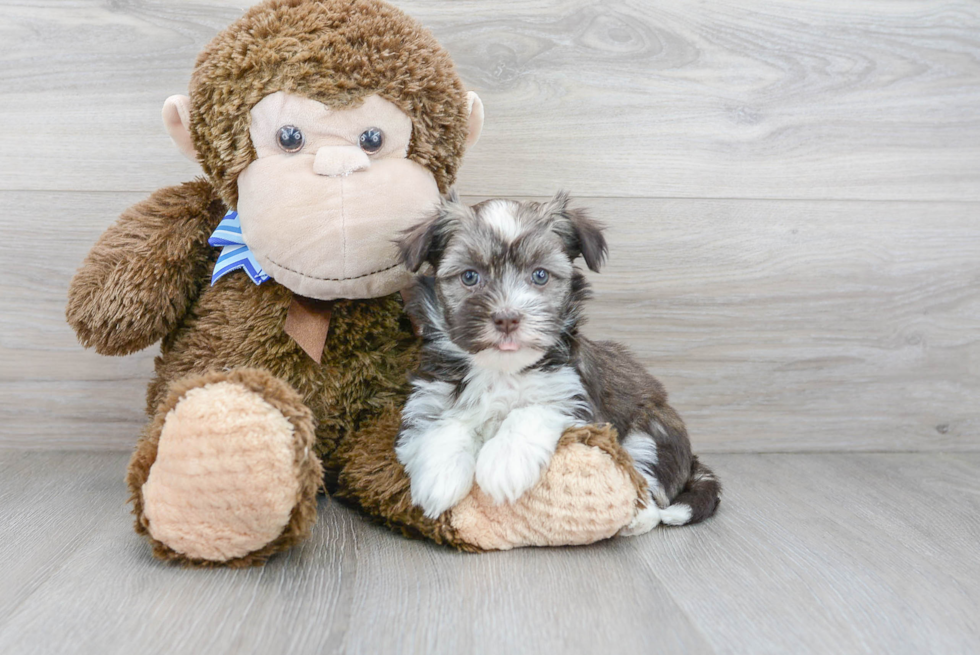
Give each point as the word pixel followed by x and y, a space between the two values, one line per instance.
pixel 792 190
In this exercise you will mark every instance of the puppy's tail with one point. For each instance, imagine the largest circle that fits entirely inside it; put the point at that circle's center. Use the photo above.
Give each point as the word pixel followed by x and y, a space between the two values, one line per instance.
pixel 697 500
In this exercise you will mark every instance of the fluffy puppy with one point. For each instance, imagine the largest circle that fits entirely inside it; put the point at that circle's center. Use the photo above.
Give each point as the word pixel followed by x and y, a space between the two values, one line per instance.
pixel 505 371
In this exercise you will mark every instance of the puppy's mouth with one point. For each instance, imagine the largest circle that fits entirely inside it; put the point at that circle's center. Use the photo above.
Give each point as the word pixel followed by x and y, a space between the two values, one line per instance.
pixel 508 355
pixel 508 346
pixel 515 342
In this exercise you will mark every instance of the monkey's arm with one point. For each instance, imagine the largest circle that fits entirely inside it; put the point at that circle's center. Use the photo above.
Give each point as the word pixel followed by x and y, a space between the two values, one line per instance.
pixel 145 271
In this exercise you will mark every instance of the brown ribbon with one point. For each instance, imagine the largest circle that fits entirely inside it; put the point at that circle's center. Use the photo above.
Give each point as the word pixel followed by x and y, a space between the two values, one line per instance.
pixel 307 322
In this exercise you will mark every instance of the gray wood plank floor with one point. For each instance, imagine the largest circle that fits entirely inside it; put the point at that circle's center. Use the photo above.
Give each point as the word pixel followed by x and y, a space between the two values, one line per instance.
pixel 810 553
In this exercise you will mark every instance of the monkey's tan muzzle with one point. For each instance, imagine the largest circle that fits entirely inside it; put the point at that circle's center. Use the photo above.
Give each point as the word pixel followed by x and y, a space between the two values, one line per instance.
pixel 329 235
pixel 338 161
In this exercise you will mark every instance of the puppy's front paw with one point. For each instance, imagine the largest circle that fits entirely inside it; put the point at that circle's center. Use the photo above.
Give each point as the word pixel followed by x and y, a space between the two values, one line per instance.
pixel 441 483
pixel 510 464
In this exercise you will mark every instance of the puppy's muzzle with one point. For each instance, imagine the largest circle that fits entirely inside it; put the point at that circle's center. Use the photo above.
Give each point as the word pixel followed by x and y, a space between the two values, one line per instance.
pixel 506 322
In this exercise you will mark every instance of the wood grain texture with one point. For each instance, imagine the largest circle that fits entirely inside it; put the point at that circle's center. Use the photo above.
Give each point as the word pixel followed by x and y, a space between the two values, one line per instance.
pixel 808 554
pixel 832 554
pixel 771 99
pixel 793 195
pixel 801 326
pixel 50 507
pixel 52 393
pixel 776 325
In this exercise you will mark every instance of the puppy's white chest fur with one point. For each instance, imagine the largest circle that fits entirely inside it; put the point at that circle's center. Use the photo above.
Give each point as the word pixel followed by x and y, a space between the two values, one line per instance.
pixel 491 395
pixel 502 427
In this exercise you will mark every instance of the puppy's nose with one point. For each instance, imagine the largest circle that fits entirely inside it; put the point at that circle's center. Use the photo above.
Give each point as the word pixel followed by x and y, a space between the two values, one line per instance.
pixel 506 322
pixel 336 161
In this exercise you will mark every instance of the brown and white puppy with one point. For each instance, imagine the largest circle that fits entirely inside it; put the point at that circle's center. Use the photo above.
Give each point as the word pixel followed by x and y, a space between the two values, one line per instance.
pixel 505 371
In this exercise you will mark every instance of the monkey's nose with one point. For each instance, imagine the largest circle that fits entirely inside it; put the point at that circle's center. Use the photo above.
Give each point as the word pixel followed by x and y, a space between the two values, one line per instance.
pixel 506 322
pixel 336 161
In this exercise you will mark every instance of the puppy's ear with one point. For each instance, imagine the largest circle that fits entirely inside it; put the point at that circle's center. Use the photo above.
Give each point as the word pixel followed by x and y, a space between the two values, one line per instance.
pixel 426 241
pixel 581 234
pixel 417 242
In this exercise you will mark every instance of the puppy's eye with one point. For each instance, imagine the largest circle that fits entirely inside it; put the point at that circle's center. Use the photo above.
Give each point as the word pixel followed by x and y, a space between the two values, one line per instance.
pixel 371 140
pixel 290 138
pixel 469 278
pixel 540 276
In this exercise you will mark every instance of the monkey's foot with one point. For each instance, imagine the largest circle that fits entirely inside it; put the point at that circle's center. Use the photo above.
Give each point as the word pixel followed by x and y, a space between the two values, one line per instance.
pixel 226 474
pixel 588 492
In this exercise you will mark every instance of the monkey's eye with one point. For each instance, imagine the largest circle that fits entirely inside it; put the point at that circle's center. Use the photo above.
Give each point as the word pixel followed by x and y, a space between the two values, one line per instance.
pixel 540 276
pixel 290 138
pixel 371 140
pixel 469 278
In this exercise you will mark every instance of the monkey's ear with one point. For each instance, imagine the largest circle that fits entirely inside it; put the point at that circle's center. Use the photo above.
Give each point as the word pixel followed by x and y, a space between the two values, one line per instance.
pixel 177 120
pixel 581 234
pixel 475 126
pixel 426 241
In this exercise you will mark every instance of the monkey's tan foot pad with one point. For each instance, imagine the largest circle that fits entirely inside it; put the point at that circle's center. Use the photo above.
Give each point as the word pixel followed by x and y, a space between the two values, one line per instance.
pixel 588 493
pixel 229 471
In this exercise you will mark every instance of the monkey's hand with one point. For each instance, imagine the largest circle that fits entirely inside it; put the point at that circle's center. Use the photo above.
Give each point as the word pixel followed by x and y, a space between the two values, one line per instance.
pixel 588 492
pixel 145 271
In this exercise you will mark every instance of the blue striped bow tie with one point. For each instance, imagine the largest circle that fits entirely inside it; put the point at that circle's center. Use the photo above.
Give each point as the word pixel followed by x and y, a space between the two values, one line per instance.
pixel 234 253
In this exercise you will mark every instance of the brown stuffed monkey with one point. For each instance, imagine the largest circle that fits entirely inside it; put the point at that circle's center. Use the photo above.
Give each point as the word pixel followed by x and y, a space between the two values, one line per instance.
pixel 326 126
